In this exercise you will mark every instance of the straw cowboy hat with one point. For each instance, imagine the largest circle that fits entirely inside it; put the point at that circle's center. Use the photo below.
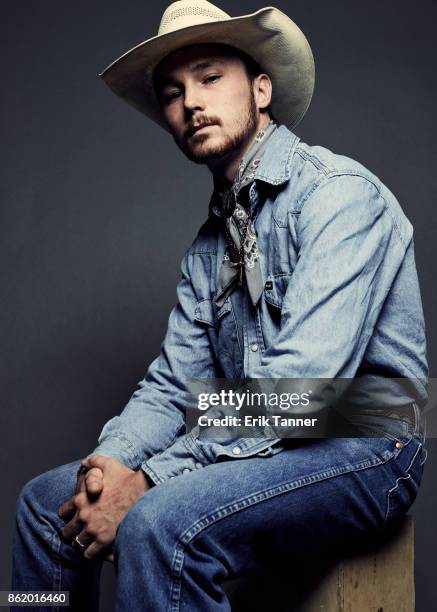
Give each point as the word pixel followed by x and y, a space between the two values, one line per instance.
pixel 271 38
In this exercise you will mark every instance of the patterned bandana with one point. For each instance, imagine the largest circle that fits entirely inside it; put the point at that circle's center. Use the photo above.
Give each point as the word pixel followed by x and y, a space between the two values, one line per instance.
pixel 242 252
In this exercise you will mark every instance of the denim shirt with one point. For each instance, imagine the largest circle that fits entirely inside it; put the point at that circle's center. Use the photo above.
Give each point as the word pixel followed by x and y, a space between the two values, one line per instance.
pixel 341 296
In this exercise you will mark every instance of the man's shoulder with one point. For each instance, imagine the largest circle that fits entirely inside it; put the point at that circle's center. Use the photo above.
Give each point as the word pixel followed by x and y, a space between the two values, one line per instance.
pixel 290 159
pixel 321 163
pixel 316 169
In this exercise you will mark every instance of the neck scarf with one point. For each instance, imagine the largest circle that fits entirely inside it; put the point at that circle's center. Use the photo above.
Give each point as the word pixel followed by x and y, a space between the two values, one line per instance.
pixel 241 255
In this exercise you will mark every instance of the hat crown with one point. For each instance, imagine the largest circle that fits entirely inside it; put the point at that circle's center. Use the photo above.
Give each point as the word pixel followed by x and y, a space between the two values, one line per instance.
pixel 185 13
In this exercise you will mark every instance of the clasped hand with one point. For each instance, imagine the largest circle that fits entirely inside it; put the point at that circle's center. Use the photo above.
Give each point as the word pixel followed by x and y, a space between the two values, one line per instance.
pixel 104 494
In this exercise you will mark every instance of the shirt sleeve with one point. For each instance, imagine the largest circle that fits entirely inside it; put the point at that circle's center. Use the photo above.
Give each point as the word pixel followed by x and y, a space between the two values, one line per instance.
pixel 155 414
pixel 350 251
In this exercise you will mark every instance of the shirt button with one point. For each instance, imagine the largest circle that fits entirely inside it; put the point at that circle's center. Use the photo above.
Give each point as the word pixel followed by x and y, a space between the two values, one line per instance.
pixel 198 465
pixel 254 347
pixel 186 471
pixel 236 450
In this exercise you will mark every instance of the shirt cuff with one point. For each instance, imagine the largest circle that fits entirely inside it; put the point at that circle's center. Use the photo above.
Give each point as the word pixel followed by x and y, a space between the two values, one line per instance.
pixel 188 454
pixel 179 458
pixel 121 448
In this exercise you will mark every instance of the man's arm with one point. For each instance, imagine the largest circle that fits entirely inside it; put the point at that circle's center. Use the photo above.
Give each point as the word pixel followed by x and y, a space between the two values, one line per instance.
pixel 153 418
pixel 155 415
pixel 351 249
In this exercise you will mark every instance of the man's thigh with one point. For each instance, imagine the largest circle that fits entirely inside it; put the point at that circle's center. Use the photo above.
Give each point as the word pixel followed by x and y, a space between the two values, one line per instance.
pixel 48 491
pixel 313 492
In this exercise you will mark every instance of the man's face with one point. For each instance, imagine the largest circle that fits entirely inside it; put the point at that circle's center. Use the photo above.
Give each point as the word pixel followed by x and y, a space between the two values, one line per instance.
pixel 208 102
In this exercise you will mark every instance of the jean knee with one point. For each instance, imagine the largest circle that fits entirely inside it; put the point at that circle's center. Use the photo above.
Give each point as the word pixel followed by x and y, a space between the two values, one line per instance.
pixel 133 529
pixel 145 526
pixel 47 491
pixel 30 496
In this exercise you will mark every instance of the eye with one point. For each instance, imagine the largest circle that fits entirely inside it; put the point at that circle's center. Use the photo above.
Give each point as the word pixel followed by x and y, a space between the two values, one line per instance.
pixel 170 96
pixel 212 78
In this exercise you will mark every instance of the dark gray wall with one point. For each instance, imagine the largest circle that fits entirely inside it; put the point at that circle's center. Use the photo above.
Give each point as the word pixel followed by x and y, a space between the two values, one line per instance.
pixel 94 197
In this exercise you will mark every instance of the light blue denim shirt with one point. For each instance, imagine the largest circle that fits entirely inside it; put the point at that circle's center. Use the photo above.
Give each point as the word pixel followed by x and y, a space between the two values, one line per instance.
pixel 341 296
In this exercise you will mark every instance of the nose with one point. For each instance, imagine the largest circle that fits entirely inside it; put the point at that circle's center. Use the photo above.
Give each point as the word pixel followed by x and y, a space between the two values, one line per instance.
pixel 193 99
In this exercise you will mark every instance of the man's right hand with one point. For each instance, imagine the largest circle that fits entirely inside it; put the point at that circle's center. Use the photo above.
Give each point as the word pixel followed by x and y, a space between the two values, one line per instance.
pixel 94 524
pixel 91 482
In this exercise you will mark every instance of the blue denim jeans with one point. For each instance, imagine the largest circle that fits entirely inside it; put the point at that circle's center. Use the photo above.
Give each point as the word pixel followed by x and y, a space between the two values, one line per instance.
pixel 183 538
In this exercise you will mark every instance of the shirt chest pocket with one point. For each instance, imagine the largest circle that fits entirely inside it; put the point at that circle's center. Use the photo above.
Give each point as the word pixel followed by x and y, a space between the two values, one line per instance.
pixel 221 327
pixel 275 288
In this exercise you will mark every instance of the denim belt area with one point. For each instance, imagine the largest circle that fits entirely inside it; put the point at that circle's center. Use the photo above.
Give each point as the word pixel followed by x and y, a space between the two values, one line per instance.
pixel 405 419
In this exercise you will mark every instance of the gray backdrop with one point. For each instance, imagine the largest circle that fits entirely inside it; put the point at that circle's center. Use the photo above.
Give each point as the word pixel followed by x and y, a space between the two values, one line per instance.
pixel 95 197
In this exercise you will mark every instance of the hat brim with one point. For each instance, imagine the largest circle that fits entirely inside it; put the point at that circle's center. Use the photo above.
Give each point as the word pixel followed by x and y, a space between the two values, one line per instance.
pixel 269 36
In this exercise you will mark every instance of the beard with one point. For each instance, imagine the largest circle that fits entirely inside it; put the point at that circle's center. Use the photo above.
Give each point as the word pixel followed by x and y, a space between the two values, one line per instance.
pixel 245 128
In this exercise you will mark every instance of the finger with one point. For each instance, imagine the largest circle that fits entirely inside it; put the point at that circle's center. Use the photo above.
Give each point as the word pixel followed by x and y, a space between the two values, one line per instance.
pixel 81 541
pixel 81 486
pixel 95 461
pixel 94 549
pixel 67 510
pixel 80 482
pixel 71 505
pixel 94 481
pixel 71 530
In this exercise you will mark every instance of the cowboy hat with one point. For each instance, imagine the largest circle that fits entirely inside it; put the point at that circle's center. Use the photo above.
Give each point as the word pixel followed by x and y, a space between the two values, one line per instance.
pixel 269 36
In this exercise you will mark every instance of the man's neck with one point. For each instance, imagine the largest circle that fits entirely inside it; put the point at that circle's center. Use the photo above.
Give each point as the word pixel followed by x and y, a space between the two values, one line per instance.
pixel 225 171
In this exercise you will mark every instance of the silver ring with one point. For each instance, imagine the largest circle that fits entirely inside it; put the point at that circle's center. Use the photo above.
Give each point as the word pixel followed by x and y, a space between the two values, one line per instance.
pixel 79 543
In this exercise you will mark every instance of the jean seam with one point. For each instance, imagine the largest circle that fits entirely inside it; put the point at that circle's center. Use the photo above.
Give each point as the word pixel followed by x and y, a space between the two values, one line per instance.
pixel 420 423
pixel 416 419
pixel 55 546
pixel 57 574
pixel 424 455
pixel 176 586
pixel 248 501
pixel 396 485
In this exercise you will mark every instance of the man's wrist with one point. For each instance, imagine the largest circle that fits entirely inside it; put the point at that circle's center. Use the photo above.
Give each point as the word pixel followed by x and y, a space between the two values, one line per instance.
pixel 145 480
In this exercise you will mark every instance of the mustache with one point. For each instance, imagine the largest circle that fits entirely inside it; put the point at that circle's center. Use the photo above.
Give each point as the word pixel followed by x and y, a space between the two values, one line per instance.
pixel 200 121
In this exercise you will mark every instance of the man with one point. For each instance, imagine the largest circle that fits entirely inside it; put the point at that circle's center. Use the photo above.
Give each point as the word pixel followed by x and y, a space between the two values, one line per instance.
pixel 304 269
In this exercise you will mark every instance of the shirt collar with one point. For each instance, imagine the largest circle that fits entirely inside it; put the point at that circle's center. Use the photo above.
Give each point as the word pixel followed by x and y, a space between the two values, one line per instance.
pixel 275 165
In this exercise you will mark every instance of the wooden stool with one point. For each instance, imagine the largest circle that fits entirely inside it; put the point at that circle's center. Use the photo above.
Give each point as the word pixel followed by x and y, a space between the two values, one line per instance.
pixel 377 577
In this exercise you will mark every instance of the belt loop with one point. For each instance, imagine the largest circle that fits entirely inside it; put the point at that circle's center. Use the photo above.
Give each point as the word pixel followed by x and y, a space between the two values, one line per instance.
pixel 418 418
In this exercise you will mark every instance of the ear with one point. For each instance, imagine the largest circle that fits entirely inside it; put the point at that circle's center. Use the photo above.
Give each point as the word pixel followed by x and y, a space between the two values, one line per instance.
pixel 262 90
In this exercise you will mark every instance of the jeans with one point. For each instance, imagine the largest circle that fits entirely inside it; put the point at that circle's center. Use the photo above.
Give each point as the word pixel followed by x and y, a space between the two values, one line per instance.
pixel 183 538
